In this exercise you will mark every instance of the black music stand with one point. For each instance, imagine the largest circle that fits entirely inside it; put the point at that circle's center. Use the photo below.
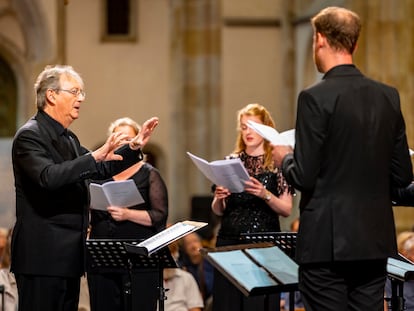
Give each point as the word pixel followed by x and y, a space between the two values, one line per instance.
pixel 113 255
pixel 256 269
pixel 399 270
pixel 157 247
pixel 286 241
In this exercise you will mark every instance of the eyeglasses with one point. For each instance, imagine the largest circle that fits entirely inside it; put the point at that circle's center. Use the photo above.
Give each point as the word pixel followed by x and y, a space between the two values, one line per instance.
pixel 74 92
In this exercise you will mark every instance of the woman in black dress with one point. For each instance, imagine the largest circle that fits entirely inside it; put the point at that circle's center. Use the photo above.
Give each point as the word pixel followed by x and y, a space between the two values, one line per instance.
pixel 266 196
pixel 107 289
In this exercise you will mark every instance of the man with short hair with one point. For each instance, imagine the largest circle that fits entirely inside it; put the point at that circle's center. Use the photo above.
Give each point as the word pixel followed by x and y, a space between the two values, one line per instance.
pixel 51 171
pixel 351 149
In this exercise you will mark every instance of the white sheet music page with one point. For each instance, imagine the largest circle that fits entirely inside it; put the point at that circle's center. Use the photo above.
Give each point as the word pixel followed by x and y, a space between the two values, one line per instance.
pixel 122 193
pixel 170 235
pixel 286 138
pixel 229 173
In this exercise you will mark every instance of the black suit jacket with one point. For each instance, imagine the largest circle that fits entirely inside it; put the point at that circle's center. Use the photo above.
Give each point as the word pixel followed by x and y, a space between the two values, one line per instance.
pixel 52 199
pixel 351 148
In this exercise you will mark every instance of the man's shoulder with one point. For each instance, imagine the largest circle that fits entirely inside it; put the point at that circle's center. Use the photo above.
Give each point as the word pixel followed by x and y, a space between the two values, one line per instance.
pixel 31 125
pixel 35 127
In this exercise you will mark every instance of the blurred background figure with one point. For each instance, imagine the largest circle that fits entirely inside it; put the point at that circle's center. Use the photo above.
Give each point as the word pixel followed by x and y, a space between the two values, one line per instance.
pixel 294 226
pixel 3 241
pixel 193 261
pixel 7 278
pixel 181 288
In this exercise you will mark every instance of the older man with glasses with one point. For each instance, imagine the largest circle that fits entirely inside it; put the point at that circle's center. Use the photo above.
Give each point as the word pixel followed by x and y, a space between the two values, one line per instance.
pixel 51 171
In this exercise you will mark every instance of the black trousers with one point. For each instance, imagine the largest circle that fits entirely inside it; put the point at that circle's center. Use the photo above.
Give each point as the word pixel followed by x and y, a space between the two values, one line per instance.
pixel 343 286
pixel 45 293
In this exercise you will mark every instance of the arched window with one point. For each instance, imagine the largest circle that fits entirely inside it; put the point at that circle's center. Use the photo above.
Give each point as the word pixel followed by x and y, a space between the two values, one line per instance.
pixel 8 100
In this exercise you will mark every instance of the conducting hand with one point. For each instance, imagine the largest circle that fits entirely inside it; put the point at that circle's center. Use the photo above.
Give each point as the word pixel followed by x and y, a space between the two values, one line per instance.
pixel 106 152
pixel 144 134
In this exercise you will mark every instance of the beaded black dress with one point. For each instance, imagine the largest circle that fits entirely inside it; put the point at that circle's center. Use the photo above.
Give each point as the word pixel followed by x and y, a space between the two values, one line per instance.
pixel 244 214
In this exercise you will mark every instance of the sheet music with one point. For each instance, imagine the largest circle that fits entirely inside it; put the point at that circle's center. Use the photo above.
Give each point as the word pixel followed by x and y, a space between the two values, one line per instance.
pixel 276 262
pixel 122 193
pixel 170 235
pixel 243 270
pixel 286 138
pixel 255 269
pixel 229 173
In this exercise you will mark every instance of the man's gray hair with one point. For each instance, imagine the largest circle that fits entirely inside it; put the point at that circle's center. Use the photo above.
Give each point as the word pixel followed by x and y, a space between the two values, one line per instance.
pixel 49 78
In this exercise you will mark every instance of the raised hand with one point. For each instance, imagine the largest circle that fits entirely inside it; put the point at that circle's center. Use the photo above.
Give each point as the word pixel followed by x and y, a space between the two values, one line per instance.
pixel 106 151
pixel 144 134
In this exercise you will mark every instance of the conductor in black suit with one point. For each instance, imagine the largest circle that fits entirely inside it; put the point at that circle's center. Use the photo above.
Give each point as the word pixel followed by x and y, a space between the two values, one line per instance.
pixel 51 170
pixel 351 149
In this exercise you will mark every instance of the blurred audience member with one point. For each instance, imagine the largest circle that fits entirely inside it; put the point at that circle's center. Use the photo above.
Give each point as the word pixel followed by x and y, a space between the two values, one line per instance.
pixel 7 278
pixel 3 242
pixel 181 288
pixel 194 262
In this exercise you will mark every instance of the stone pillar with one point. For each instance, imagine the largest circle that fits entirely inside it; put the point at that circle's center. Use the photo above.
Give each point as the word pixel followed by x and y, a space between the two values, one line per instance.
pixel 195 48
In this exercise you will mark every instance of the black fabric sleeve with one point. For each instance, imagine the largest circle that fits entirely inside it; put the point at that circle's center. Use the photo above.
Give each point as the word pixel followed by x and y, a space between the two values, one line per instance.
pixel 158 196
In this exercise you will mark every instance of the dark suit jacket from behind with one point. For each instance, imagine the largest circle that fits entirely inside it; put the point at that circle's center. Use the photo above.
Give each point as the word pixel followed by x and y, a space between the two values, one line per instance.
pixel 52 199
pixel 351 148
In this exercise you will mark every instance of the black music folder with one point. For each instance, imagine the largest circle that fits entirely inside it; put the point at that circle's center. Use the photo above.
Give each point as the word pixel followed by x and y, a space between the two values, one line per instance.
pixel 255 269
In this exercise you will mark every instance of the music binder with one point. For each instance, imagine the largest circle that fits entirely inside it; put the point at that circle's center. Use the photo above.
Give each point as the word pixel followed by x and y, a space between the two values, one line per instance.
pixel 399 270
pixel 255 269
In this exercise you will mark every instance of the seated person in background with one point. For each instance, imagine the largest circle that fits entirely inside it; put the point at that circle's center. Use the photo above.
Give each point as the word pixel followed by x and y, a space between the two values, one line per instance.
pixel 7 278
pixel 193 261
pixel 405 243
pixel 294 225
pixel 181 288
pixel 3 242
